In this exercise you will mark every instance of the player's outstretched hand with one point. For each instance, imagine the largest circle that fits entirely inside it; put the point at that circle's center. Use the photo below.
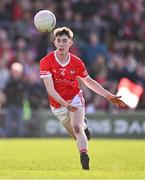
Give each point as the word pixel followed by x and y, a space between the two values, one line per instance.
pixel 72 108
pixel 117 101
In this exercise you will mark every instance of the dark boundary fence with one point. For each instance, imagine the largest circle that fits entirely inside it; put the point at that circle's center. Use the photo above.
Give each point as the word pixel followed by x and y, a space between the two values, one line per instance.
pixel 102 125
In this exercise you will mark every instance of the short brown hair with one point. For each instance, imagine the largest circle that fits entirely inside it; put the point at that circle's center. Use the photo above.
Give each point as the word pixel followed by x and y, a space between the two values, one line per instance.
pixel 63 31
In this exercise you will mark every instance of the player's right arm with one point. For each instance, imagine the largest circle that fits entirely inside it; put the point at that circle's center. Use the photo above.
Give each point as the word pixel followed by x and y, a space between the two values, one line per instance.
pixel 48 82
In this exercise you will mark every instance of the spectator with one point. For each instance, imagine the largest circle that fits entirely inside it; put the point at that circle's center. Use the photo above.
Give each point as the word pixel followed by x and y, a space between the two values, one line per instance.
pixel 14 91
pixel 94 48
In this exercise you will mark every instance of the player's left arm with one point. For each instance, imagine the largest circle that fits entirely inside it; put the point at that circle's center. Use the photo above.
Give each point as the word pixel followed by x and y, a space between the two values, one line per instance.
pixel 97 88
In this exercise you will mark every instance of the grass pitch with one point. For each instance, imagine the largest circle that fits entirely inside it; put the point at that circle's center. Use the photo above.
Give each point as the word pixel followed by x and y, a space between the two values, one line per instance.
pixel 59 159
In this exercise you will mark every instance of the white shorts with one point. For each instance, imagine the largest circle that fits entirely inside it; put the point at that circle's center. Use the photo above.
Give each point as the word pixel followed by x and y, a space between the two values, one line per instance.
pixel 62 113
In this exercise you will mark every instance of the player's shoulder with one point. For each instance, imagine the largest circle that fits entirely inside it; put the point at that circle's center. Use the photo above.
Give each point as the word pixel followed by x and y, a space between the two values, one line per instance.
pixel 75 58
pixel 48 57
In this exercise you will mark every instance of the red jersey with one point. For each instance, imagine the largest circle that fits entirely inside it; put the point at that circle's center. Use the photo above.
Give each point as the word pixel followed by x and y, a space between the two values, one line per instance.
pixel 64 75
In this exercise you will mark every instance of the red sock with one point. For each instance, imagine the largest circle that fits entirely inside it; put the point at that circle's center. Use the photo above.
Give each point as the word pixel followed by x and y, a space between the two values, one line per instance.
pixel 83 150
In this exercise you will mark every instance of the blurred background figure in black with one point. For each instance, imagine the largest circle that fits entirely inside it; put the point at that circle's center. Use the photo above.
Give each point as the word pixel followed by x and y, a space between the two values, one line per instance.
pixel 15 92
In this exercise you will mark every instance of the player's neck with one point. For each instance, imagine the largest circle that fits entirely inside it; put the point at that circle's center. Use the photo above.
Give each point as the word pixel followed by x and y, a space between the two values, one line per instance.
pixel 62 57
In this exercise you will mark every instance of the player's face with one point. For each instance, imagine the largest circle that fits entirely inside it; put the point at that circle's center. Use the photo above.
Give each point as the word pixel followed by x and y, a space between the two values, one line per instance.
pixel 63 43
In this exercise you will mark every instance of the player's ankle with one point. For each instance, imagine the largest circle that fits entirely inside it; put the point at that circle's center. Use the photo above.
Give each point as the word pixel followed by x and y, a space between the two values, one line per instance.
pixel 83 150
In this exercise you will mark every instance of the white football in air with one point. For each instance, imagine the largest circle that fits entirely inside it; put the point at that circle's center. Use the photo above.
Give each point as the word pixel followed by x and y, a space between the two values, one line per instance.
pixel 44 21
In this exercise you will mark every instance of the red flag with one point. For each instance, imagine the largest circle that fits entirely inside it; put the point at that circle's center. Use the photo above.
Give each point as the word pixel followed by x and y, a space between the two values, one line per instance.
pixel 130 92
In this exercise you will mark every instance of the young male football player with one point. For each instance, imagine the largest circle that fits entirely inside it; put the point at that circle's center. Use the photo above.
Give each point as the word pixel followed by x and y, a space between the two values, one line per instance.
pixel 60 71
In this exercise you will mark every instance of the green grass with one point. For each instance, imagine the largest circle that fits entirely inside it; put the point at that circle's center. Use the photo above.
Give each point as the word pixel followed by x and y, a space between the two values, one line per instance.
pixel 59 159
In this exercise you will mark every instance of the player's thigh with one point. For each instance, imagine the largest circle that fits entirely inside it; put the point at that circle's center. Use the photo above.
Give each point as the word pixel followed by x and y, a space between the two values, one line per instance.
pixel 68 127
pixel 77 118
pixel 63 116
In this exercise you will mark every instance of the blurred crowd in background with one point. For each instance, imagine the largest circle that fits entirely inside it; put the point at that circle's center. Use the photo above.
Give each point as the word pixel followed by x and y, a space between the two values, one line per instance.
pixel 109 36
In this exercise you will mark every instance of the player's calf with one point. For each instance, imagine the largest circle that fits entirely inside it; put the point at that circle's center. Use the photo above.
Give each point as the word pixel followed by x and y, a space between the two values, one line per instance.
pixel 86 130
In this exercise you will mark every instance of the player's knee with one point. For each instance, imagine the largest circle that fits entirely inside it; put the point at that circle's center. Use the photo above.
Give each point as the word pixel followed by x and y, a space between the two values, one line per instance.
pixel 76 129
